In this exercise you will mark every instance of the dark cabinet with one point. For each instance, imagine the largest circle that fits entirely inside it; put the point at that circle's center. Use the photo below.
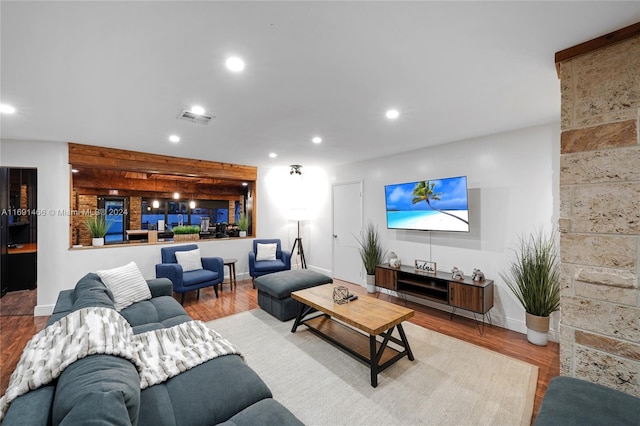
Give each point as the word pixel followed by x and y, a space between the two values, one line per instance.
pixel 4 229
pixel 21 270
pixel 477 299
pixel 18 228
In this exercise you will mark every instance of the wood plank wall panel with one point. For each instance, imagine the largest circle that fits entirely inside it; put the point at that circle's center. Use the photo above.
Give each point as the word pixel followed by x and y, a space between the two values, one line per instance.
pixel 119 159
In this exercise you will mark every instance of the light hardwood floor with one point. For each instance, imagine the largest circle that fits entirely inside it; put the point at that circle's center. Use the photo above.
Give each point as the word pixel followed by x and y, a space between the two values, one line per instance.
pixel 16 330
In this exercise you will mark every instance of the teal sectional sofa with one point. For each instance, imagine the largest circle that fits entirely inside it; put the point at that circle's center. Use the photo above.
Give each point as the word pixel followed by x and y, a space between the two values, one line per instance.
pixel 105 389
pixel 576 402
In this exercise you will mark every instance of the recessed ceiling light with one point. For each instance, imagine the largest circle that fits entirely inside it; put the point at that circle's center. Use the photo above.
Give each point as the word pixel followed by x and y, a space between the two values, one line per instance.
pixel 316 139
pixel 245 184
pixel 174 138
pixel 74 170
pixel 392 114
pixel 197 110
pixel 176 195
pixel 234 64
pixel 273 155
pixel 7 109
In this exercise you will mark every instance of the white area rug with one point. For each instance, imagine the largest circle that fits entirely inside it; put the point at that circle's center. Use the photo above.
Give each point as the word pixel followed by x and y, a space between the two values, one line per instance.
pixel 451 382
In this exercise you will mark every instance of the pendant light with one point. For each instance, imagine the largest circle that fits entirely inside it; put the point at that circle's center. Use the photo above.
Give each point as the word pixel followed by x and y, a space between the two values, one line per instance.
pixel 176 195
pixel 155 202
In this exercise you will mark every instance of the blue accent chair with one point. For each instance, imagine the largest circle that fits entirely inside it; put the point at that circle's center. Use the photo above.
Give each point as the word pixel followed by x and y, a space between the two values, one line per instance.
pixel 211 274
pixel 264 267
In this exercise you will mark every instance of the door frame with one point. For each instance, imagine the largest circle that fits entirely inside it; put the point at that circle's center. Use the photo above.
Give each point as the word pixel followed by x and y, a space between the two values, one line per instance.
pixel 103 199
pixel 360 183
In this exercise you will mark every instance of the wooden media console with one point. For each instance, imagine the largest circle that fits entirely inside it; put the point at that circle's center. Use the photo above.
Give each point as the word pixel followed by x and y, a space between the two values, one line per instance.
pixel 473 296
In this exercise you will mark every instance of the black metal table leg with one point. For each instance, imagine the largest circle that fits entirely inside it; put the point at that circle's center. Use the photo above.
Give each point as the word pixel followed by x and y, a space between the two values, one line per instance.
pixel 405 342
pixel 373 356
pixel 303 311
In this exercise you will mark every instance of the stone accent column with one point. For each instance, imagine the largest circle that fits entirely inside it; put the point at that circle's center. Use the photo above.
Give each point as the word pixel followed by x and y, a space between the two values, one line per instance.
pixel 24 202
pixel 600 216
pixel 135 213
pixel 86 203
pixel 232 209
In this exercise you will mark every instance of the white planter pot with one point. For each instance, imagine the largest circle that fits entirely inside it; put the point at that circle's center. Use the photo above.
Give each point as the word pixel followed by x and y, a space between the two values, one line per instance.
pixel 243 234
pixel 538 338
pixel 371 283
pixel 97 242
pixel 537 329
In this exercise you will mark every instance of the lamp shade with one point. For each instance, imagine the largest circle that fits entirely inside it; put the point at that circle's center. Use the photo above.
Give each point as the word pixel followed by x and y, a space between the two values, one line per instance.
pixel 298 214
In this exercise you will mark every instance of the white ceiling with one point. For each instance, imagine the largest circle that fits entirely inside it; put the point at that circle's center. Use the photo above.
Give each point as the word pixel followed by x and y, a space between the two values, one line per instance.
pixel 117 74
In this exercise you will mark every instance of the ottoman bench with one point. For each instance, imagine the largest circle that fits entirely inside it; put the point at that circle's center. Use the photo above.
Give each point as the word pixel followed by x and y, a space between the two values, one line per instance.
pixel 274 290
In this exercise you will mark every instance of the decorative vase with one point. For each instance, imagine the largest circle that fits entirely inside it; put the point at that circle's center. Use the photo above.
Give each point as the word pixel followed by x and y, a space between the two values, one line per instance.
pixel 97 241
pixel 537 329
pixel 242 234
pixel 371 283
pixel 394 260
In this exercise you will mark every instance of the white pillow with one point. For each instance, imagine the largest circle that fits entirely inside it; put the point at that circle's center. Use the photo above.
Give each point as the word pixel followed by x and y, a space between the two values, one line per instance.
pixel 189 260
pixel 266 251
pixel 126 283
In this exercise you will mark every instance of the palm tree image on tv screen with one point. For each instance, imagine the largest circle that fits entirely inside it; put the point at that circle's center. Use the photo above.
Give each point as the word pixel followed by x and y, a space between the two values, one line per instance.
pixel 428 205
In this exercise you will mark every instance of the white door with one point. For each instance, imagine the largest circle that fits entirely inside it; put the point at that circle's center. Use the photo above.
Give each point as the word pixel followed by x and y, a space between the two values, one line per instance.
pixel 347 223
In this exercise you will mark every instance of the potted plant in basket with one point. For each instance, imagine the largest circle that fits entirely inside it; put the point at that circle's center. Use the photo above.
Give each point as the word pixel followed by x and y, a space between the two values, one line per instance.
pixel 186 233
pixel 371 253
pixel 98 226
pixel 534 278
pixel 243 225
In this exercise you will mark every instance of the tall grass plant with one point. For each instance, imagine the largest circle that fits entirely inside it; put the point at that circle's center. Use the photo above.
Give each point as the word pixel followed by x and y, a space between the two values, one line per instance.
pixel 534 276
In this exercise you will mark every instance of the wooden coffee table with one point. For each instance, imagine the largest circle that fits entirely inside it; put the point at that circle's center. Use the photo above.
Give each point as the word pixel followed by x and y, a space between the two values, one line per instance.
pixel 339 324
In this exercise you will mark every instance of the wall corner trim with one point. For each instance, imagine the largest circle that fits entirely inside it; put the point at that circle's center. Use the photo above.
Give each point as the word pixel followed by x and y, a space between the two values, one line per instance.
pixel 596 43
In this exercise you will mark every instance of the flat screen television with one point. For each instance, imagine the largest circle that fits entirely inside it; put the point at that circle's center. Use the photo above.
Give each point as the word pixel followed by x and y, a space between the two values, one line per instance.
pixel 428 205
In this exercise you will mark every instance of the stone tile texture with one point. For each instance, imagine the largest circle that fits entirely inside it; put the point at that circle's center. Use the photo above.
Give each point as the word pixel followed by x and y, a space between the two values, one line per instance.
pixel 615 165
pixel 602 86
pixel 608 251
pixel 607 208
pixel 610 135
pixel 600 317
pixel 608 370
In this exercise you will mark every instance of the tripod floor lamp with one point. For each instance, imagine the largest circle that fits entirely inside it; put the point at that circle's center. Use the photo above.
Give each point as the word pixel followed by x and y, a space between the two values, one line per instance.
pixel 298 211
pixel 298 243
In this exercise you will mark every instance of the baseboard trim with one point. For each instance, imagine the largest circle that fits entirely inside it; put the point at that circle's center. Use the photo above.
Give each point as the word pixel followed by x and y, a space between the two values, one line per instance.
pixel 43 310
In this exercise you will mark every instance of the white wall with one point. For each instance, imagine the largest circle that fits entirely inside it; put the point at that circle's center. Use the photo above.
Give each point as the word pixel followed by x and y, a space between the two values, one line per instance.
pixel 60 268
pixel 278 197
pixel 513 190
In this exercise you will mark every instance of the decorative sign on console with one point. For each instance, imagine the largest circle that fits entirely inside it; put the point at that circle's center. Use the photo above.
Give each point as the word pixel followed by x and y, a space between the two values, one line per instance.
pixel 425 266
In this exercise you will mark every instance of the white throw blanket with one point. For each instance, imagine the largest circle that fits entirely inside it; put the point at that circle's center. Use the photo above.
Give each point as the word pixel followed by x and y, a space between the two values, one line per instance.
pixel 158 354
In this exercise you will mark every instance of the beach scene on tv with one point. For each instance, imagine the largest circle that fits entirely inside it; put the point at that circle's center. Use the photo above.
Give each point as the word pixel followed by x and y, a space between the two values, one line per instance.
pixel 428 205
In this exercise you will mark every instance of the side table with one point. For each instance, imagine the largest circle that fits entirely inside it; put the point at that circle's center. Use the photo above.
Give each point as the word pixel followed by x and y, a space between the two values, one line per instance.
pixel 231 263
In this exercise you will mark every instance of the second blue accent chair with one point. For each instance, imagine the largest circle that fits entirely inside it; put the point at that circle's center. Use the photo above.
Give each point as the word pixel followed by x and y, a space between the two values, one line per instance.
pixel 263 267
pixel 211 274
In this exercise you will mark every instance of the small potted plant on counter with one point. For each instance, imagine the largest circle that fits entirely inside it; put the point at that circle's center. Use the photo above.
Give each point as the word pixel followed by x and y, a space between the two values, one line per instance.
pixel 98 226
pixel 243 225
pixel 186 233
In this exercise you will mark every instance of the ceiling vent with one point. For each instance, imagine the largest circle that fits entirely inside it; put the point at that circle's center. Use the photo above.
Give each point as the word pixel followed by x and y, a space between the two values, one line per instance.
pixel 195 118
